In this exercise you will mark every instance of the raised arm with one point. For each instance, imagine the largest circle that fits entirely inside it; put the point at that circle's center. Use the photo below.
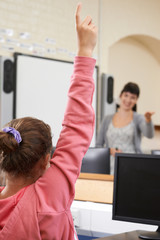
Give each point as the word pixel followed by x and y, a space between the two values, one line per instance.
pixel 78 124
pixel 146 125
pixel 86 34
pixel 148 116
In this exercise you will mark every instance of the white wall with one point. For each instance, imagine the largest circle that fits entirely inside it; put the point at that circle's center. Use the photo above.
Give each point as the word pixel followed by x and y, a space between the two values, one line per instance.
pixel 52 19
pixel 123 18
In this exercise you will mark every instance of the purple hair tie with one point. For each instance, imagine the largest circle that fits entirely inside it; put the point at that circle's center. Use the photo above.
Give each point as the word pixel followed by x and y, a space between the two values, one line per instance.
pixel 14 132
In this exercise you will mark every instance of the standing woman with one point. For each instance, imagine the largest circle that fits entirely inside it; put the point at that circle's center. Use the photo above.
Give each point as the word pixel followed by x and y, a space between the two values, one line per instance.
pixel 122 131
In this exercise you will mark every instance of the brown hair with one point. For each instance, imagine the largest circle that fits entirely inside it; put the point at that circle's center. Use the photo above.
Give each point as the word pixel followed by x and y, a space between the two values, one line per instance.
pixel 19 159
pixel 132 88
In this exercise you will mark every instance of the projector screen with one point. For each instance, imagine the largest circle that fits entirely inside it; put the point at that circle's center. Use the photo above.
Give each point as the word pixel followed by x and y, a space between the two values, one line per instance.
pixel 41 90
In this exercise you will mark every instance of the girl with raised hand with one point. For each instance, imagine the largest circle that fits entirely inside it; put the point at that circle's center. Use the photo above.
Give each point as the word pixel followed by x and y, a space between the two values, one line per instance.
pixel 35 203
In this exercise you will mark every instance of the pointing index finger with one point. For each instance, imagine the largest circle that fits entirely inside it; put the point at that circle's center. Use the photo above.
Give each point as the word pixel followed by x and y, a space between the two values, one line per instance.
pixel 78 10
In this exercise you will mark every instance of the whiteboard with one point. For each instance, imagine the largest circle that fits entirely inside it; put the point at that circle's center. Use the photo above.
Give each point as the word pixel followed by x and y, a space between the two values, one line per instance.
pixel 41 90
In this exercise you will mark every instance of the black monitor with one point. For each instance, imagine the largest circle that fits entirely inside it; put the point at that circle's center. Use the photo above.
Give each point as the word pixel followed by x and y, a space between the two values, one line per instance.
pixel 96 160
pixel 136 196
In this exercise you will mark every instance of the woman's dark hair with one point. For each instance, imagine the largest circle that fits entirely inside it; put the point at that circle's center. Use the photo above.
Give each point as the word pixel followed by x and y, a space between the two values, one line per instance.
pixel 132 88
pixel 19 159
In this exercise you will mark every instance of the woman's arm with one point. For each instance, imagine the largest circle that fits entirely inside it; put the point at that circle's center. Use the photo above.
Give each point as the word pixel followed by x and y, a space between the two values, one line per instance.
pixel 146 127
pixel 100 140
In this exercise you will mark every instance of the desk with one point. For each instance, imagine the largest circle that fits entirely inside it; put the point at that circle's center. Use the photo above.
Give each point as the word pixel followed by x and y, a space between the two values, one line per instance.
pixel 94 188
pixel 134 235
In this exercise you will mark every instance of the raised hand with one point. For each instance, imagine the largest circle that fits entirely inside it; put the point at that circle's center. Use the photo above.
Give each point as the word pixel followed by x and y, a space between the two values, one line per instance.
pixel 148 116
pixel 86 34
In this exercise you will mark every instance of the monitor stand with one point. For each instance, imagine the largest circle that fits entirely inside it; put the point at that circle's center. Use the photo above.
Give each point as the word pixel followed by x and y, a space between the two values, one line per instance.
pixel 151 235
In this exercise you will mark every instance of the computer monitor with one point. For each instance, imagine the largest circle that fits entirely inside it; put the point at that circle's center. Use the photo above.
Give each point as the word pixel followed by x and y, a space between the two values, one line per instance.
pixel 136 195
pixel 96 160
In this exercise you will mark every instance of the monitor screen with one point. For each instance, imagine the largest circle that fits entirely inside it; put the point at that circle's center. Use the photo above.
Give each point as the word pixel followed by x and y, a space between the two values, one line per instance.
pixel 96 160
pixel 136 195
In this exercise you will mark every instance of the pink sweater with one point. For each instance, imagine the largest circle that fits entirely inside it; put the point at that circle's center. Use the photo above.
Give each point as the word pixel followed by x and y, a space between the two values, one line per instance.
pixel 42 210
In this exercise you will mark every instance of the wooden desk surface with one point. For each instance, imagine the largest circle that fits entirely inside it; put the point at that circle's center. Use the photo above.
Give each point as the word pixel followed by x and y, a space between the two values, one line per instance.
pixel 95 176
pixel 94 187
pixel 134 235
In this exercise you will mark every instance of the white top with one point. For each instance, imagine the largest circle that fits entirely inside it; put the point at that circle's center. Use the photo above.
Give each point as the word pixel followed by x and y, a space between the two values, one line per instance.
pixel 121 138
